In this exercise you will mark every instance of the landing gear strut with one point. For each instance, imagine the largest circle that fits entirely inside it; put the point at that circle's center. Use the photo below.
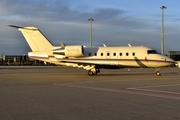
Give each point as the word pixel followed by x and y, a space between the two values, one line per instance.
pixel 93 72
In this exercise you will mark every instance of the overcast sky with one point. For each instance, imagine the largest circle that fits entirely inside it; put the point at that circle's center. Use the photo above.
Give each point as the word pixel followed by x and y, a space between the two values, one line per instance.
pixel 116 22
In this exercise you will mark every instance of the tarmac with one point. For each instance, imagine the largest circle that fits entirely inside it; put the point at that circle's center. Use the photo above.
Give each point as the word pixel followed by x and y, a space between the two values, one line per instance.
pixel 65 93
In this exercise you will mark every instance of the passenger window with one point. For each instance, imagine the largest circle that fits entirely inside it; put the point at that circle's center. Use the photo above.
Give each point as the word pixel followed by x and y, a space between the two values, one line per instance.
pixel 127 54
pixel 120 54
pixel 101 54
pixel 133 54
pixel 114 54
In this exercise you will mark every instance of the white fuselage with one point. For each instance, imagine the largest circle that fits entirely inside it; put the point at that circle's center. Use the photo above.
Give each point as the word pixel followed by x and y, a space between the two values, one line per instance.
pixel 91 58
pixel 107 57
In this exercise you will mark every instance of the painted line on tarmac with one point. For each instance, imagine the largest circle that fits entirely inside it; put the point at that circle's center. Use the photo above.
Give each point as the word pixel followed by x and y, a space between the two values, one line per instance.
pixel 156 91
pixel 126 90
pixel 106 81
pixel 167 85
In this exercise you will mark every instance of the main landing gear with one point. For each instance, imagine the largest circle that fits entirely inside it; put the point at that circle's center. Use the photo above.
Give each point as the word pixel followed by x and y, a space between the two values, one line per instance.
pixel 96 71
pixel 157 73
pixel 93 72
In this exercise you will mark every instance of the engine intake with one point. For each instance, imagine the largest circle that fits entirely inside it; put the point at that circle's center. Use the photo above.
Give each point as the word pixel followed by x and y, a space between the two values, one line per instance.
pixel 74 51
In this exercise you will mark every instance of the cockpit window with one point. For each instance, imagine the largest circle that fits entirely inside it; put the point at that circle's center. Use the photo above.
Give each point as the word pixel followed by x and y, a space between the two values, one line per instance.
pixel 152 52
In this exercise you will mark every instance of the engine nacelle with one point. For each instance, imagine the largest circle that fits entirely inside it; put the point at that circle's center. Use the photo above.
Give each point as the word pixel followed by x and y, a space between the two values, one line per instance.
pixel 74 51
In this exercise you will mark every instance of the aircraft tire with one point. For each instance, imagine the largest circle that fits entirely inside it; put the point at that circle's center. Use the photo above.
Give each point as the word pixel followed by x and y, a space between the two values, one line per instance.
pixel 97 71
pixel 90 73
pixel 158 73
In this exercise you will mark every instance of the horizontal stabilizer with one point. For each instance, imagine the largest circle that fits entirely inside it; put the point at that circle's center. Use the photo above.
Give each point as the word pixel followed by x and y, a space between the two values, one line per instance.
pixel 27 28
pixel 14 26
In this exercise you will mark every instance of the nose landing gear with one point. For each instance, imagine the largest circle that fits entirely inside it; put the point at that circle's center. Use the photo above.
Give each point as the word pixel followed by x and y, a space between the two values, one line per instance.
pixel 157 73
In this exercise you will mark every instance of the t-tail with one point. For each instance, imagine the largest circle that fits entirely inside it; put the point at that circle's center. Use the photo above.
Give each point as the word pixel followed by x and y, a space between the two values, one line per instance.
pixel 39 44
pixel 36 40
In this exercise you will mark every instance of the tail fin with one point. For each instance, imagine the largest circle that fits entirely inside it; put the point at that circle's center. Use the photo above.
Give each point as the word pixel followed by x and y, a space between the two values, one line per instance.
pixel 36 40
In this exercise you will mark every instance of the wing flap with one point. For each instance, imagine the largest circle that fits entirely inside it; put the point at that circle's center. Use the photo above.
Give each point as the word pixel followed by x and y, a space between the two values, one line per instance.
pixel 96 64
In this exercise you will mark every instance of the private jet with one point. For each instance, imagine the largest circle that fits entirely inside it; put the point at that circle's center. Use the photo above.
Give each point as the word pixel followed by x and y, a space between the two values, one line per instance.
pixel 92 59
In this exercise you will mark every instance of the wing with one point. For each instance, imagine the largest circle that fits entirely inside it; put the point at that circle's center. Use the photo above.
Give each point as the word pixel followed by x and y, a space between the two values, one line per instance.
pixel 90 64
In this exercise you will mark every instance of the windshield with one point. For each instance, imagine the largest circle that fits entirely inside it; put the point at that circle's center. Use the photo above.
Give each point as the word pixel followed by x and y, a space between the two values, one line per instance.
pixel 152 52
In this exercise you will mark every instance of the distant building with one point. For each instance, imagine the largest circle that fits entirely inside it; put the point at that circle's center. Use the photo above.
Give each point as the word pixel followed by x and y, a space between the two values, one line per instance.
pixel 20 60
pixel 175 55
pixel 14 59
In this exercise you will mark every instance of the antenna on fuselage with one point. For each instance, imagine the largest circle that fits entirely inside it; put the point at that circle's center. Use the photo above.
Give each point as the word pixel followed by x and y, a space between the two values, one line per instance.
pixel 62 45
pixel 129 45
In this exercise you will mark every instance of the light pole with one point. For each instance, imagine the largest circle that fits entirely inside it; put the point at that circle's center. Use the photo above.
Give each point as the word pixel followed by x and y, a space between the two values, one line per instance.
pixel 162 34
pixel 91 19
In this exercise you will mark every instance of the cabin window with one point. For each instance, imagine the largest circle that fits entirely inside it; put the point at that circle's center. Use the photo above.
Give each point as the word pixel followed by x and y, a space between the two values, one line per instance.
pixel 101 54
pixel 151 51
pixel 95 54
pixel 127 54
pixel 120 54
pixel 114 54
pixel 133 54
pixel 89 54
pixel 108 54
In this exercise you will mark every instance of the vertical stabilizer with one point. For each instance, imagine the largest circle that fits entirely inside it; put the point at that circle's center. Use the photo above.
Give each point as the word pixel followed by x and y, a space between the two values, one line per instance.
pixel 36 40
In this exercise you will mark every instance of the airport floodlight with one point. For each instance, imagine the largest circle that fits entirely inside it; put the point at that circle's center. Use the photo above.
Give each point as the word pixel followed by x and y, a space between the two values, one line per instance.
pixel 91 19
pixel 163 7
pixel 162 32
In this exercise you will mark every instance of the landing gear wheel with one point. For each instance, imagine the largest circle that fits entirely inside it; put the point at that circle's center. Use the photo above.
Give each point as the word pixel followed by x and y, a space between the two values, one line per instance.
pixel 97 71
pixel 158 73
pixel 93 72
pixel 90 73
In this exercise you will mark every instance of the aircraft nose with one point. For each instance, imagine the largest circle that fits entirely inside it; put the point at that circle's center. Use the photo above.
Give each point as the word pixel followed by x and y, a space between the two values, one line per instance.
pixel 170 61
